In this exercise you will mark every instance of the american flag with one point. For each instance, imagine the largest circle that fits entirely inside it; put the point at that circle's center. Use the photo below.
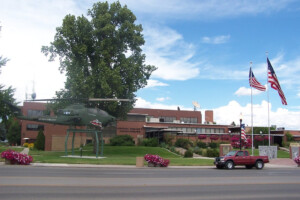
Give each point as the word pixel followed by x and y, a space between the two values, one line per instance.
pixel 272 79
pixel 254 83
pixel 243 134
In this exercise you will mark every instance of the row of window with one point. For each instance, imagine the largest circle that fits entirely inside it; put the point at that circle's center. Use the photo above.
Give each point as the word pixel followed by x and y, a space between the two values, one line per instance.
pixel 185 120
pixel 189 120
pixel 198 130
pixel 35 113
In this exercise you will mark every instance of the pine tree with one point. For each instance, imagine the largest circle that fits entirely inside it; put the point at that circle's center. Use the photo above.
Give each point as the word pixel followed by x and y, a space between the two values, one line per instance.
pixel 40 141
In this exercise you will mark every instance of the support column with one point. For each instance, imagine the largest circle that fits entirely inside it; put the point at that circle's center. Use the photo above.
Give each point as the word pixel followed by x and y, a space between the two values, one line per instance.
pixel 101 143
pixel 66 143
pixel 73 138
pixel 97 143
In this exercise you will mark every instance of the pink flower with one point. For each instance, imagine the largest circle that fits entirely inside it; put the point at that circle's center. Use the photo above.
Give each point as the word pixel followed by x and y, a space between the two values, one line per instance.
pixel 20 158
pixel 156 160
pixel 297 160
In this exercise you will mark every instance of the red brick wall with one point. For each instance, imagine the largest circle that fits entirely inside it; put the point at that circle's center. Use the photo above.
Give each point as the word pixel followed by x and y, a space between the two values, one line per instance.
pixel 209 116
pixel 32 106
pixel 168 113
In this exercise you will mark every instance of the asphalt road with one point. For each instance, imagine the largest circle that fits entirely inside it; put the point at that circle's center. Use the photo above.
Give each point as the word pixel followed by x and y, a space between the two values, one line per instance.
pixel 28 182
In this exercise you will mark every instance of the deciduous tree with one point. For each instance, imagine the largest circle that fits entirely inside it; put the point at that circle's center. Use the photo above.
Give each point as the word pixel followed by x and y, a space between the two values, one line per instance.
pixel 101 56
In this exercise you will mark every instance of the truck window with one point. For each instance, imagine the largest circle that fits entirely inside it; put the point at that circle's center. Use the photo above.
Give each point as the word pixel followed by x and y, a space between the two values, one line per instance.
pixel 240 153
pixel 246 153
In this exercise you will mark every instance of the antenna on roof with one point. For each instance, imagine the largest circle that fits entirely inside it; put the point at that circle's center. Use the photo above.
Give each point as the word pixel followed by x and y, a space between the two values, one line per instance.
pixel 32 95
pixel 196 105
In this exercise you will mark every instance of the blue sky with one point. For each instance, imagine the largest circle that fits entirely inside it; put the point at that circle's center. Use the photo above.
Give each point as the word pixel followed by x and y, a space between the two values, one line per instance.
pixel 202 50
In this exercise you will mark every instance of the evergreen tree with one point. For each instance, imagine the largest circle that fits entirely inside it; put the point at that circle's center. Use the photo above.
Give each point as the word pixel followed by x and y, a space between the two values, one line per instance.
pixel 40 141
pixel 14 132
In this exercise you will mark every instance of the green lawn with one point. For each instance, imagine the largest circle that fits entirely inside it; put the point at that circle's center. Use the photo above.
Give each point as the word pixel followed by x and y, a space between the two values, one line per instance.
pixel 4 147
pixel 117 155
pixel 121 155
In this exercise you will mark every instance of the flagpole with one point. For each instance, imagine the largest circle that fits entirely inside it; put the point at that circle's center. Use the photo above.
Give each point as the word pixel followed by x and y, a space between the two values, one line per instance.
pixel 268 104
pixel 251 112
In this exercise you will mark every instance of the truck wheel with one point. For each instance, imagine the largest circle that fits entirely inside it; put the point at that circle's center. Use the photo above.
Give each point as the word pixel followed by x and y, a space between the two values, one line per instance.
pixel 259 164
pixel 229 165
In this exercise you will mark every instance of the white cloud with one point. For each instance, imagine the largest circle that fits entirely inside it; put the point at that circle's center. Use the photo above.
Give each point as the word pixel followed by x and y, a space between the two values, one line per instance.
pixel 204 9
pixel 162 99
pixel 167 50
pixel 154 83
pixel 142 103
pixel 281 117
pixel 243 91
pixel 216 40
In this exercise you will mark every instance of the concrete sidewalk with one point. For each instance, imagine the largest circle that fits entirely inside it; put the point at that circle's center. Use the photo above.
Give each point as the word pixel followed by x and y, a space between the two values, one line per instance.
pixel 282 162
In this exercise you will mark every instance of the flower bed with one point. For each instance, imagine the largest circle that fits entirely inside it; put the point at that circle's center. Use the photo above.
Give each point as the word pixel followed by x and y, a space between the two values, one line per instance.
pixel 297 160
pixel 214 137
pixel 235 142
pixel 201 137
pixel 14 157
pixel 156 161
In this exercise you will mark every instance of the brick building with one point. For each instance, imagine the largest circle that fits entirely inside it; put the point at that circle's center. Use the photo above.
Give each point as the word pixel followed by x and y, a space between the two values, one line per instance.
pixel 54 134
pixel 140 123
pixel 146 123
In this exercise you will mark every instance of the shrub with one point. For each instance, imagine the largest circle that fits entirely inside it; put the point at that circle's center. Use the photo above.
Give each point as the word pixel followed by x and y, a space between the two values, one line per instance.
pixel 204 152
pixel 164 145
pixel 197 150
pixel 184 143
pixel 122 140
pixel 212 153
pixel 188 154
pixel 31 146
pixel 213 145
pixel 289 137
pixel 168 138
pixel 40 141
pixel 14 132
pixel 151 142
pixel 201 144
pixel 25 144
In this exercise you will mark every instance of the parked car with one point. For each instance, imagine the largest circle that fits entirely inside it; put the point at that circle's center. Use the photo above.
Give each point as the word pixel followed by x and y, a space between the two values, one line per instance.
pixel 240 157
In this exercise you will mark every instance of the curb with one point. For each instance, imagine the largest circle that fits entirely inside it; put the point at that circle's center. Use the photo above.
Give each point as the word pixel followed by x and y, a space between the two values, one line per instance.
pixel 267 166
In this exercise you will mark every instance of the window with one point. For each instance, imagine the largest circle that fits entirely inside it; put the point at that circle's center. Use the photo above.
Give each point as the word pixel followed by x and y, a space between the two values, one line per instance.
pixel 35 113
pixel 167 119
pixel 188 120
pixel 34 127
pixel 138 118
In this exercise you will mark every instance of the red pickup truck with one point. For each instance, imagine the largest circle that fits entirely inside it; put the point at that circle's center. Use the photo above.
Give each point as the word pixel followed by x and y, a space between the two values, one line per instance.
pixel 240 157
